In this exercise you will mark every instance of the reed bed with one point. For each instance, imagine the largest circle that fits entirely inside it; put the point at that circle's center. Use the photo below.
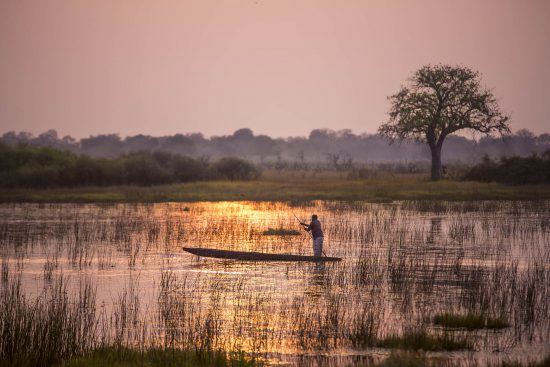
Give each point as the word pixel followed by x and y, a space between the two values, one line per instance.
pixel 79 282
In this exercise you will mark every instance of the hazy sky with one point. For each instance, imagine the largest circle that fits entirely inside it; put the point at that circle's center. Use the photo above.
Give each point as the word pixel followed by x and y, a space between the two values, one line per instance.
pixel 279 67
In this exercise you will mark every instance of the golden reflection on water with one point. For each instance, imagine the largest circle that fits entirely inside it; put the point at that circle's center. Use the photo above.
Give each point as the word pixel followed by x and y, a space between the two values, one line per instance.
pixel 403 263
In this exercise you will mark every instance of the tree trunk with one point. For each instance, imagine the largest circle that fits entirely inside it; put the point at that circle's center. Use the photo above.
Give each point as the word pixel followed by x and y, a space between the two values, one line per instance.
pixel 436 162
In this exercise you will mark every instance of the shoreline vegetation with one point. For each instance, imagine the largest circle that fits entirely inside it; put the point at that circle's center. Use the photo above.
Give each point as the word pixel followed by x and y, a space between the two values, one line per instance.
pixel 41 175
pixel 286 187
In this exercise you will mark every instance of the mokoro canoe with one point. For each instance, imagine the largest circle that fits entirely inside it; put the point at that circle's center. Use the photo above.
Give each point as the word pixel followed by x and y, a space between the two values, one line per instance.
pixel 254 256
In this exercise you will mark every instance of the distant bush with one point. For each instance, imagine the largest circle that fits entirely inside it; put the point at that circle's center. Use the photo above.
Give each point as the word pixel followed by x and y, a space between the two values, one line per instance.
pixel 235 169
pixel 144 169
pixel 39 167
pixel 513 170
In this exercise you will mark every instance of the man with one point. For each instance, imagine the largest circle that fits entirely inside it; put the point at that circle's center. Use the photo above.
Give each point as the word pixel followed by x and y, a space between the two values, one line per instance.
pixel 317 233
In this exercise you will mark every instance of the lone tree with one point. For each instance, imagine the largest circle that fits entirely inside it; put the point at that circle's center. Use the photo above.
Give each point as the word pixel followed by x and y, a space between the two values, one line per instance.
pixel 438 101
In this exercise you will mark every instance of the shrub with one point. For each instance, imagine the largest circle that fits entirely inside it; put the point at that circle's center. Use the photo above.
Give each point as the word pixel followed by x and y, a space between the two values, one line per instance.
pixel 26 166
pixel 512 170
pixel 143 169
pixel 184 169
pixel 235 169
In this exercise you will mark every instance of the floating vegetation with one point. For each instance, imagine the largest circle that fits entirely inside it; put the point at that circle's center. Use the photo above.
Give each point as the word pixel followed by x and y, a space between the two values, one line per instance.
pixel 470 321
pixel 420 340
pixel 281 232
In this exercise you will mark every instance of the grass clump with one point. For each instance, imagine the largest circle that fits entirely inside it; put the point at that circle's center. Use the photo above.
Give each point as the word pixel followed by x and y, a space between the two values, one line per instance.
pixel 513 170
pixel 48 330
pixel 470 321
pixel 56 329
pixel 122 357
pixel 420 340
pixel 281 232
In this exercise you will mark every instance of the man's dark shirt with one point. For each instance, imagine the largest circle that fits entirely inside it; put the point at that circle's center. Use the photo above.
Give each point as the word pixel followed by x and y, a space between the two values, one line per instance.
pixel 315 228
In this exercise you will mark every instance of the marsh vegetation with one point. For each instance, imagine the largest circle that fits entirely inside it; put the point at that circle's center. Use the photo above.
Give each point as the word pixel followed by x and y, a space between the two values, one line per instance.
pixel 80 282
pixel 281 232
pixel 470 321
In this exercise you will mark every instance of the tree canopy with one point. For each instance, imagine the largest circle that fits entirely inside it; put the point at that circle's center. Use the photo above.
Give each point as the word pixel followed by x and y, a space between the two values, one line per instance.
pixel 438 101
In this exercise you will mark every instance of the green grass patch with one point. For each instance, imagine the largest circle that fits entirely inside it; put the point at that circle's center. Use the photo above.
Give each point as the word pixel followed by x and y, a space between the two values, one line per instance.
pixel 423 341
pixel 122 357
pixel 288 189
pixel 470 321
pixel 281 232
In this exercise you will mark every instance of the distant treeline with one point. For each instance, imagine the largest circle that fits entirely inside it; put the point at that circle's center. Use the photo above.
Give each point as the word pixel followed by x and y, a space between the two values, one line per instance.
pixel 515 170
pixel 28 166
pixel 335 149
pixel 25 166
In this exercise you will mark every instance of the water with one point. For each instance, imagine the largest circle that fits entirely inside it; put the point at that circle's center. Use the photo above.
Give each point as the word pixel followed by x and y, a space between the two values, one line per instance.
pixel 403 263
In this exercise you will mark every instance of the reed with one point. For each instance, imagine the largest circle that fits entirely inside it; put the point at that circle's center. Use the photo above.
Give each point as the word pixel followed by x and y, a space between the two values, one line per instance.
pixel 47 330
pixel 80 281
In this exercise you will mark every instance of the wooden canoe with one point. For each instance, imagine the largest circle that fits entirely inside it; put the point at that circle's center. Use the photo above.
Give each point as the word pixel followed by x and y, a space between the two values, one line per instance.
pixel 254 256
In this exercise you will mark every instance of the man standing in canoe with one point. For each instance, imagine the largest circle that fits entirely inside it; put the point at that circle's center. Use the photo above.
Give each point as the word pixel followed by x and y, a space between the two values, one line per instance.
pixel 317 233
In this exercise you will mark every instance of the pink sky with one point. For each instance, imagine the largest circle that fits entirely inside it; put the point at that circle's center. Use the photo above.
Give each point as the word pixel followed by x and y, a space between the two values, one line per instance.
pixel 279 67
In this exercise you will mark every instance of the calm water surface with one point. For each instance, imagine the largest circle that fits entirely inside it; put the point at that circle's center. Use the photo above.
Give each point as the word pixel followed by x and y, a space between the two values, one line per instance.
pixel 402 264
